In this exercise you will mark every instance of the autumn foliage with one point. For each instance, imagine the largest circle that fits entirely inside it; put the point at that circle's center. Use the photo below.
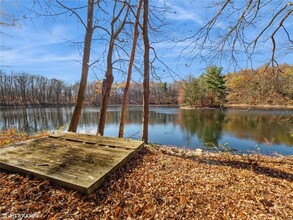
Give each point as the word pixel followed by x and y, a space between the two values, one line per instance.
pixel 265 86
pixel 10 136
pixel 164 183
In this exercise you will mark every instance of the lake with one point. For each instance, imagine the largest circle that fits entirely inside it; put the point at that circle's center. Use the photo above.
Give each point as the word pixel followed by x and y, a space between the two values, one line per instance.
pixel 246 131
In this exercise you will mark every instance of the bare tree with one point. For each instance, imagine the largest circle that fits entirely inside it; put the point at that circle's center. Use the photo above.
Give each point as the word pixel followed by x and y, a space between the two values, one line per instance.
pixel 243 28
pixel 129 72
pixel 8 20
pixel 109 78
pixel 85 67
pixel 146 78
pixel 22 82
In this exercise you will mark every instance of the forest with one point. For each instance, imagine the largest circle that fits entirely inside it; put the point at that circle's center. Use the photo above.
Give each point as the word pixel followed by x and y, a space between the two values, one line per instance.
pixel 262 86
pixel 211 89
pixel 23 89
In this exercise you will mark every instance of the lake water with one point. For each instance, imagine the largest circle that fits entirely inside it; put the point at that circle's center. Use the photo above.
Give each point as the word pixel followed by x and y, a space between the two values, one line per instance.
pixel 265 132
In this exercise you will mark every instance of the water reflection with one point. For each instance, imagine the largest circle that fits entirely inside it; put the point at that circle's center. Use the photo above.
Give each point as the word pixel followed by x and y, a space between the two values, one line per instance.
pixel 263 127
pixel 244 130
pixel 32 120
pixel 205 124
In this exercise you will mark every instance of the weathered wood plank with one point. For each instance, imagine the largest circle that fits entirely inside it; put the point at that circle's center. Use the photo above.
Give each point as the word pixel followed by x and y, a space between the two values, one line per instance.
pixel 101 140
pixel 80 163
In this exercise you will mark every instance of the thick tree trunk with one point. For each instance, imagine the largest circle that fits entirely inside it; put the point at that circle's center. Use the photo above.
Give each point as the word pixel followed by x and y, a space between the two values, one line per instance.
pixel 129 72
pixel 146 79
pixel 85 67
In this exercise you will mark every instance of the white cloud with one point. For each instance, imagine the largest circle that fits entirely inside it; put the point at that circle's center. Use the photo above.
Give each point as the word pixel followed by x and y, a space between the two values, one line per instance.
pixel 181 10
pixel 181 13
pixel 28 46
pixel 44 51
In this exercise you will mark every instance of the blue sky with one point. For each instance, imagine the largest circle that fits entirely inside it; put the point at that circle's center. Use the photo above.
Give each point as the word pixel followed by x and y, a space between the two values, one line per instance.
pixel 44 45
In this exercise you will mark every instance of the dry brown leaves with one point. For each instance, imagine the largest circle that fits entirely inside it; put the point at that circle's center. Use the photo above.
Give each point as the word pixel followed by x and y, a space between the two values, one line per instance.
pixel 9 136
pixel 164 183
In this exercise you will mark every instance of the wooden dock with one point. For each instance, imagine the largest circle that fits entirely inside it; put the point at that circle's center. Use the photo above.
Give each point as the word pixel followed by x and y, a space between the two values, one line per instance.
pixel 76 161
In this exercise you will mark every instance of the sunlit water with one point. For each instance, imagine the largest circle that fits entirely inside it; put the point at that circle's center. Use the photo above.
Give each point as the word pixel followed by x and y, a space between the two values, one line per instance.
pixel 265 132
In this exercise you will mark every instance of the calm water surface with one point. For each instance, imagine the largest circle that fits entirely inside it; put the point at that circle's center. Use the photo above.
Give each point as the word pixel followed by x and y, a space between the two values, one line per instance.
pixel 264 132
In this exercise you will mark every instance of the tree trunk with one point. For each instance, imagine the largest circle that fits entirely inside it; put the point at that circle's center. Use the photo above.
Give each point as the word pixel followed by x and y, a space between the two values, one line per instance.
pixel 106 90
pixel 85 68
pixel 109 78
pixel 129 72
pixel 146 79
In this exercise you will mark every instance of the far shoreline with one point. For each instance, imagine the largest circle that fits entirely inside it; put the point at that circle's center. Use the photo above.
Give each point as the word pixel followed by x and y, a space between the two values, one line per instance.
pixel 246 107
pixel 226 106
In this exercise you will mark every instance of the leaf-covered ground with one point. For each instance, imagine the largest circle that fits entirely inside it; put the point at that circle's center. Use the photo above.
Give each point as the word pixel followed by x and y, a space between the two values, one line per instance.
pixel 9 136
pixel 164 183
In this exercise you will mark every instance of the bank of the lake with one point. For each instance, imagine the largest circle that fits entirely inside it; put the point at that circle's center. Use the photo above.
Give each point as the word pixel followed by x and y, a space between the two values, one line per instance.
pixel 226 106
pixel 248 107
pixel 162 182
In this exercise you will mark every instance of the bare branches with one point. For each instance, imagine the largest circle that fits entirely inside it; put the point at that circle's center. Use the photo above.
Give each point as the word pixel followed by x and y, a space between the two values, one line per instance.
pixel 243 28
pixel 73 11
pixel 157 58
pixel 109 77
pixel 274 34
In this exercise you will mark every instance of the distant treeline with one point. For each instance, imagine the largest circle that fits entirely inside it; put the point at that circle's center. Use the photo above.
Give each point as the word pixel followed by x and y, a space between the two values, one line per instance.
pixel 263 86
pixel 23 89
pixel 161 93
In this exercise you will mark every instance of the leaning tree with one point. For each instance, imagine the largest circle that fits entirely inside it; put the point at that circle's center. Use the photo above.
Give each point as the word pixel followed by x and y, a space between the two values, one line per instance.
pixel 119 18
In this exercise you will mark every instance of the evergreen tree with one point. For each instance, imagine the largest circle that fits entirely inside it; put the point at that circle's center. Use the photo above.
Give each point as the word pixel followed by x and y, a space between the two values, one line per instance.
pixel 216 85
pixel 191 93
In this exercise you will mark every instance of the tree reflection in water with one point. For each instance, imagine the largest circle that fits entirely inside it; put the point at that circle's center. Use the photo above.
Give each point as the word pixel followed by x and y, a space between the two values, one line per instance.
pixel 205 124
pixel 243 130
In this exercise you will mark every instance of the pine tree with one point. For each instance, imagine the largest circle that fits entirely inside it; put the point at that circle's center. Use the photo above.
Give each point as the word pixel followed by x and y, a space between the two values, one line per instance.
pixel 216 85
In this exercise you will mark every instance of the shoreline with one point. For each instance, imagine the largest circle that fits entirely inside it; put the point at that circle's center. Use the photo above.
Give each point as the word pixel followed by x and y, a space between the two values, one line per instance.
pixel 227 106
pixel 85 105
pixel 189 153
pixel 259 107
pixel 247 107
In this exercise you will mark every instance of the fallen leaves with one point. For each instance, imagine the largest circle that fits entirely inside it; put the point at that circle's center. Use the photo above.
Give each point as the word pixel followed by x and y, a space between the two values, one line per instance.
pixel 163 183
pixel 9 136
